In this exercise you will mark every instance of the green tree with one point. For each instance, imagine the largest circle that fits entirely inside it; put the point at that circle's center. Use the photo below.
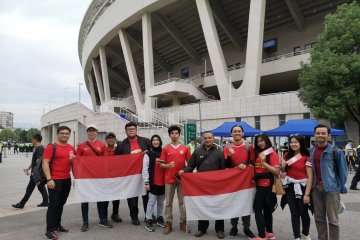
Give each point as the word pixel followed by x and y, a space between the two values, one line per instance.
pixel 7 134
pixel 330 82
pixel 30 133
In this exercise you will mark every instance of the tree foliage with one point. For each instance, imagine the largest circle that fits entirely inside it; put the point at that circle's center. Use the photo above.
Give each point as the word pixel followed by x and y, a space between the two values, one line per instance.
pixel 18 134
pixel 7 134
pixel 330 82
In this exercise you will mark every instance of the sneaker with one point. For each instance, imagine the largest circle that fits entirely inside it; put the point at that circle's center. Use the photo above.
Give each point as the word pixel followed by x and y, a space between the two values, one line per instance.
pixel 18 205
pixel 160 222
pixel 116 218
pixel 85 227
pixel 51 235
pixel 62 229
pixel 258 238
pixel 43 204
pixel 297 238
pixel 354 188
pixel 149 225
pixel 233 232
pixel 270 236
pixel 305 237
pixel 135 221
pixel 248 233
pixel 105 224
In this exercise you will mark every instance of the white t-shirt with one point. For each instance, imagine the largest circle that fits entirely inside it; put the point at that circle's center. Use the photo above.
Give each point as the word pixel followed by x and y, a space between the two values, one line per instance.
pixel 349 147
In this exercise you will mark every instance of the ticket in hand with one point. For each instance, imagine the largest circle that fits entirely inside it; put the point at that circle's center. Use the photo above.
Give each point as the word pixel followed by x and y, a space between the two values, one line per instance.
pixel 294 159
pixel 267 152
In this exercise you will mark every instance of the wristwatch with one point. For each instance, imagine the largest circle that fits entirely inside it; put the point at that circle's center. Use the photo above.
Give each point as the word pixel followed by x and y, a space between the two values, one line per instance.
pixel 49 180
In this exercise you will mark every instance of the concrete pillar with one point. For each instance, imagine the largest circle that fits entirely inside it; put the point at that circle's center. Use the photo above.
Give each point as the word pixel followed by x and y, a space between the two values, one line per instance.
pixel 130 66
pixel 92 90
pixel 54 136
pixel 148 63
pixel 254 49
pixel 98 81
pixel 215 51
pixel 175 101
pixel 105 74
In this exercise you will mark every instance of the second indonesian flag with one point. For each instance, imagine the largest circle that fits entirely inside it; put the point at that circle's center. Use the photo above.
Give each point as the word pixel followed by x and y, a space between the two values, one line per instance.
pixel 221 194
pixel 108 178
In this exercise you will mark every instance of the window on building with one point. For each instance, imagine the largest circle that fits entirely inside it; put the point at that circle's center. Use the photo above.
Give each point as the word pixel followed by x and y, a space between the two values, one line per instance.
pixel 185 73
pixel 282 119
pixel 297 50
pixel 306 115
pixel 257 122
pixel 309 46
pixel 238 119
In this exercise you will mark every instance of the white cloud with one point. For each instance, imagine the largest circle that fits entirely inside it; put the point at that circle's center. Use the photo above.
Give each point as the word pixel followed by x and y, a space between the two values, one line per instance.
pixel 39 58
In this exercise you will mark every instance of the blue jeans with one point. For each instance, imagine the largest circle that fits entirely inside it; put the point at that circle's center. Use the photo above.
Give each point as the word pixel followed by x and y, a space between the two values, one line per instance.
pixel 159 199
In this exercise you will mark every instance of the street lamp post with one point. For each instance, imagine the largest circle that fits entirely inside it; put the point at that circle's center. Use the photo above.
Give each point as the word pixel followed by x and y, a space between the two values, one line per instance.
pixel 65 93
pixel 44 108
pixel 80 91
pixel 199 102
pixel 50 103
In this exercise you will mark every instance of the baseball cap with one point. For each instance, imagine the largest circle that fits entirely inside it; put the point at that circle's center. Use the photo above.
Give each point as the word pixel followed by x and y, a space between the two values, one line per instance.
pixel 110 134
pixel 92 126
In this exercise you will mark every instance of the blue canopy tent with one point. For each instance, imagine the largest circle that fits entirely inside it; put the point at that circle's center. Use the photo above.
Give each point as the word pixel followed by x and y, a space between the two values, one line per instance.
pixel 224 129
pixel 304 127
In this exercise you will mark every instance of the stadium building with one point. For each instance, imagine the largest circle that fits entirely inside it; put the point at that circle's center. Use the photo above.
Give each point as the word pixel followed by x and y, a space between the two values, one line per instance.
pixel 161 62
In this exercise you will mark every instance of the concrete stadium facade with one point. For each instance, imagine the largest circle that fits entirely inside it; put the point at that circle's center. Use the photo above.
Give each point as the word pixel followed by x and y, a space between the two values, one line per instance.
pixel 165 62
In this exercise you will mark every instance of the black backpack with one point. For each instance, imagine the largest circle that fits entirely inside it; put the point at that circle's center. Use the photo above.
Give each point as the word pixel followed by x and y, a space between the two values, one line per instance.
pixel 38 173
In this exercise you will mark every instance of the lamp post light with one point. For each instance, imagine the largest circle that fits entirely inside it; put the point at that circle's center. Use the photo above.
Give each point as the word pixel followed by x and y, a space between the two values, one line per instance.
pixel 80 91
pixel 50 103
pixel 65 93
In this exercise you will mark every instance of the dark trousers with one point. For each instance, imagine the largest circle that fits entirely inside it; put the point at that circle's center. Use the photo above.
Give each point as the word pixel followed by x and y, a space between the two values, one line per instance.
pixel 204 224
pixel 298 210
pixel 116 204
pixel 133 205
pixel 263 212
pixel 30 188
pixel 356 178
pixel 57 200
pixel 102 208
pixel 0 157
pixel 245 220
pixel 85 211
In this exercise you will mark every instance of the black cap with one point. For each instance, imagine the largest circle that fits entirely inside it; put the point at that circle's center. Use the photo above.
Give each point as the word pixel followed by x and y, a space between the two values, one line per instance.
pixel 110 134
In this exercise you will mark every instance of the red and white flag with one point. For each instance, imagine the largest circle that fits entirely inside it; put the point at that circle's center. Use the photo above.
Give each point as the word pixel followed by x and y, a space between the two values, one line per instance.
pixel 221 194
pixel 108 178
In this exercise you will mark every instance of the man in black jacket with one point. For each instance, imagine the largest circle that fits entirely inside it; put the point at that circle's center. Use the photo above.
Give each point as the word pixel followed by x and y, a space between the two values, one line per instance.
pixel 131 145
pixel 205 159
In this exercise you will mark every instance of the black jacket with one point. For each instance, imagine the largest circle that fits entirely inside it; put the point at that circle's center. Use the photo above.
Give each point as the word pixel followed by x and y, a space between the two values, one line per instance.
pixel 206 160
pixel 124 147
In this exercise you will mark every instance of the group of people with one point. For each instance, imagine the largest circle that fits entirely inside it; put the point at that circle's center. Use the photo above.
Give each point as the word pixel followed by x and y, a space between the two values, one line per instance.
pixel 311 179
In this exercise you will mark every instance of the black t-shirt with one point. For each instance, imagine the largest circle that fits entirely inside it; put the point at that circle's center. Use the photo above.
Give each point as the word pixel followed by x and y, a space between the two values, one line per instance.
pixel 39 150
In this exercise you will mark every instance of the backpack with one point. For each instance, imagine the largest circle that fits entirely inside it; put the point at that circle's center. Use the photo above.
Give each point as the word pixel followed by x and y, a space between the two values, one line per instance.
pixel 38 173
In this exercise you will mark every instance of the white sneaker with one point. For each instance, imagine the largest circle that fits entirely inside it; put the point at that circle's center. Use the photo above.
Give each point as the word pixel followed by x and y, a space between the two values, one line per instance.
pixel 304 237
pixel 297 238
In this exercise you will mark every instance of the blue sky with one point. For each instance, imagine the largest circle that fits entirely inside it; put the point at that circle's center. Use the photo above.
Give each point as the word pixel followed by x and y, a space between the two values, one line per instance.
pixel 39 57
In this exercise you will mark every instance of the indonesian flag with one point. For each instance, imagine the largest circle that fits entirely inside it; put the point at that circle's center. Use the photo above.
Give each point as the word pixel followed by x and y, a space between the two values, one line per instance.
pixel 107 178
pixel 221 194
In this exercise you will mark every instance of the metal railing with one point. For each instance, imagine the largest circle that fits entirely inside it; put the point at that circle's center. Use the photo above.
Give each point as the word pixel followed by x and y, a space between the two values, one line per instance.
pixel 187 81
pixel 129 99
pixel 94 11
pixel 292 54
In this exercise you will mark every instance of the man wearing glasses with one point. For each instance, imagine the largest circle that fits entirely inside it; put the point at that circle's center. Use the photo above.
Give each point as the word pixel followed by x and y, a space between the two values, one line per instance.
pixel 131 145
pixel 60 154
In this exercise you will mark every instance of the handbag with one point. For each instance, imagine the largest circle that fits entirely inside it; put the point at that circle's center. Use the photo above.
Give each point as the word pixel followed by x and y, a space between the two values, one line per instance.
pixel 277 186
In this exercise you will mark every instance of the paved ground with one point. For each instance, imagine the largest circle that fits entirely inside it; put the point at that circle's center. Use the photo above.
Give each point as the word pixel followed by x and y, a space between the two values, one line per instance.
pixel 29 223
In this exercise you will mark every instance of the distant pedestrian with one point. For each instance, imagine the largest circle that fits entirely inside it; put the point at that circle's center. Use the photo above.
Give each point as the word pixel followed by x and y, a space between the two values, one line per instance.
pixel 39 150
